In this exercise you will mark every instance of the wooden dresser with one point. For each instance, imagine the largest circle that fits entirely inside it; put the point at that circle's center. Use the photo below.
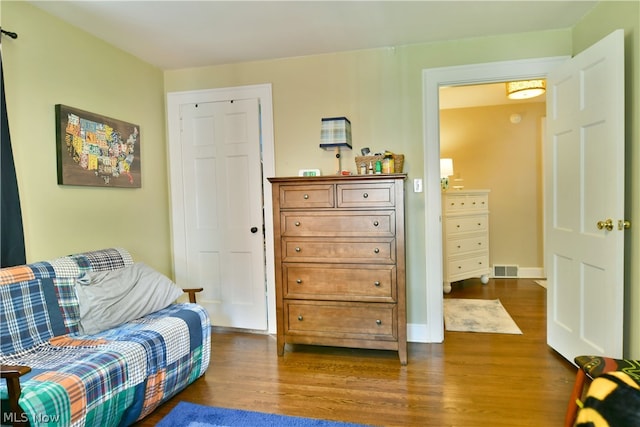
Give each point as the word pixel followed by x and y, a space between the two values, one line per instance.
pixel 340 261
pixel 465 236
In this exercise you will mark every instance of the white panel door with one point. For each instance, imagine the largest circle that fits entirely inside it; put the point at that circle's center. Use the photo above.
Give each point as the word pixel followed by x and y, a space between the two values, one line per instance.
pixel 584 179
pixel 222 190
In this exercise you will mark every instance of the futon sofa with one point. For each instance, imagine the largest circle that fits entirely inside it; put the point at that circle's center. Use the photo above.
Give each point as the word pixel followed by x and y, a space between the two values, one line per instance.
pixel 95 339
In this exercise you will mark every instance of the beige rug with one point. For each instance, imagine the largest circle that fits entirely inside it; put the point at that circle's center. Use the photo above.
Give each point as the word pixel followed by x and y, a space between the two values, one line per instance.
pixel 478 315
pixel 542 283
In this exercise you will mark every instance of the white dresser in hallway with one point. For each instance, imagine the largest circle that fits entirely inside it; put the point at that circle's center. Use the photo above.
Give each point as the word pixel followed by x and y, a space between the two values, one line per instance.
pixel 465 236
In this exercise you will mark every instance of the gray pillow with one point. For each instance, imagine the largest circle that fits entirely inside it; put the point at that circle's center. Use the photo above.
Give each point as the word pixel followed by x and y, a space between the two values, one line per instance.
pixel 110 298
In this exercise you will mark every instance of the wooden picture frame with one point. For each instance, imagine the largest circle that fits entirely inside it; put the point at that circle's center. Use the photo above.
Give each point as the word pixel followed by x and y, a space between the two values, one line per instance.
pixel 95 150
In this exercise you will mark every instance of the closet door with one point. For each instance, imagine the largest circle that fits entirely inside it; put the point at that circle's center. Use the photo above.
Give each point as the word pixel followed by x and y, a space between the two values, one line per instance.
pixel 222 206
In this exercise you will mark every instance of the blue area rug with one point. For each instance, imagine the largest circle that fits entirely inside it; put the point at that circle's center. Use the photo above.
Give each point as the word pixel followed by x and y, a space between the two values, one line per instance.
pixel 191 415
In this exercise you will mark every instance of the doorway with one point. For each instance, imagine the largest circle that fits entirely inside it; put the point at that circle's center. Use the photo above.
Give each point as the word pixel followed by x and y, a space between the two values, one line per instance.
pixel 495 144
pixel 433 79
pixel 175 101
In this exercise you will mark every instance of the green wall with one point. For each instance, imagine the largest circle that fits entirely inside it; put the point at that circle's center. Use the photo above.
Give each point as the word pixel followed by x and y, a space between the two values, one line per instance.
pixel 380 90
pixel 52 63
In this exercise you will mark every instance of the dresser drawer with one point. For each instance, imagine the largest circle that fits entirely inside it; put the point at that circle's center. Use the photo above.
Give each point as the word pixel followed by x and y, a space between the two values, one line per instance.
pixel 307 196
pixel 467 224
pixel 345 223
pixel 341 250
pixel 346 320
pixel 366 195
pixel 469 265
pixel 466 203
pixel 344 282
pixel 467 244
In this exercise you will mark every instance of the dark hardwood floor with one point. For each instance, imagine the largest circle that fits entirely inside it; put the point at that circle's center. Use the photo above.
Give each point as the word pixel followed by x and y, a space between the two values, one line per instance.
pixel 472 379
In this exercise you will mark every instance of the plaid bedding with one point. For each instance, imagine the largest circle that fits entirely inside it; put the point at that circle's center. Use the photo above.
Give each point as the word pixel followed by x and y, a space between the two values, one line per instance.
pixel 112 378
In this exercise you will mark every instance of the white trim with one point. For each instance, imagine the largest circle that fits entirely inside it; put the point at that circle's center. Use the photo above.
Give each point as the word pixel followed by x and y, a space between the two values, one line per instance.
pixel 417 332
pixel 264 95
pixel 432 79
pixel 531 273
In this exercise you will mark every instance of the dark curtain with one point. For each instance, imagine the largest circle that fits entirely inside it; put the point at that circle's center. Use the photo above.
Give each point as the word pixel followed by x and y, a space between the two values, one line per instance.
pixel 11 233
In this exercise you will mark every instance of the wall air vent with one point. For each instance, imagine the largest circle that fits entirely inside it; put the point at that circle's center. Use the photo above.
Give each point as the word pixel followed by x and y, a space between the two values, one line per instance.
pixel 505 271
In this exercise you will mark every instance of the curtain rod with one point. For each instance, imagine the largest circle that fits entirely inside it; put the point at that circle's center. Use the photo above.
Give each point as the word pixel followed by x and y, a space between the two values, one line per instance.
pixel 8 33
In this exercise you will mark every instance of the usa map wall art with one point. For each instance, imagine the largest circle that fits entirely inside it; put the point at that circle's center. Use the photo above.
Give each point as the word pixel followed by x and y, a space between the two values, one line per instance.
pixel 96 150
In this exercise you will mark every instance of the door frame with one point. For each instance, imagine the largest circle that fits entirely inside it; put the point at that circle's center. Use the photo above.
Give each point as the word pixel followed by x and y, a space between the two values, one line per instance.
pixel 174 159
pixel 432 79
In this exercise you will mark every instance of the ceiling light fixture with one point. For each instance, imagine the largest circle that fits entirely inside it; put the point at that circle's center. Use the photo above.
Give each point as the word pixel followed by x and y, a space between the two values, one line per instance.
pixel 525 89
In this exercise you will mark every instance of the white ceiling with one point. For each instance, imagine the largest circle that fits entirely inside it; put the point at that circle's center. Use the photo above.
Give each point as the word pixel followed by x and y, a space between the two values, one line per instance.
pixel 184 34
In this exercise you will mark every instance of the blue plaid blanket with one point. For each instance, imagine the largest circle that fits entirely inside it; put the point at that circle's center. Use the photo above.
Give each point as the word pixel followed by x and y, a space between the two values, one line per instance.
pixel 112 378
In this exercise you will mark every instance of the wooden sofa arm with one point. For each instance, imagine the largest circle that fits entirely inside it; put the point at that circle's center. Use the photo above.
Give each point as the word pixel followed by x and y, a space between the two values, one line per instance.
pixel 12 374
pixel 192 293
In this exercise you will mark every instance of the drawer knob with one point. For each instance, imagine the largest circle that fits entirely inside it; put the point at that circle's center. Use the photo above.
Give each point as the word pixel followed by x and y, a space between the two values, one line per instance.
pixel 300 317
pixel 306 196
pixel 458 226
pixel 376 250
pixel 298 249
pixel 365 195
pixel 297 223
pixel 462 203
pixel 458 246
pixel 479 224
pixel 378 322
pixel 298 281
pixel 376 223
pixel 376 283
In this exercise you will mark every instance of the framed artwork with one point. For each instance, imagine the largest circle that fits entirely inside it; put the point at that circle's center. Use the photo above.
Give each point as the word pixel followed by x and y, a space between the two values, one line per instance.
pixel 96 150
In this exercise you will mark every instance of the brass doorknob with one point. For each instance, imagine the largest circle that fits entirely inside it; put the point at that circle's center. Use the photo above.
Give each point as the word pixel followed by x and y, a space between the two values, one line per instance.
pixel 606 225
pixel 624 225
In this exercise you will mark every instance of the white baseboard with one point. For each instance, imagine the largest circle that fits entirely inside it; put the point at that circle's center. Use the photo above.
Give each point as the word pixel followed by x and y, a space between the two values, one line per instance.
pixel 531 273
pixel 417 332
pixel 522 272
